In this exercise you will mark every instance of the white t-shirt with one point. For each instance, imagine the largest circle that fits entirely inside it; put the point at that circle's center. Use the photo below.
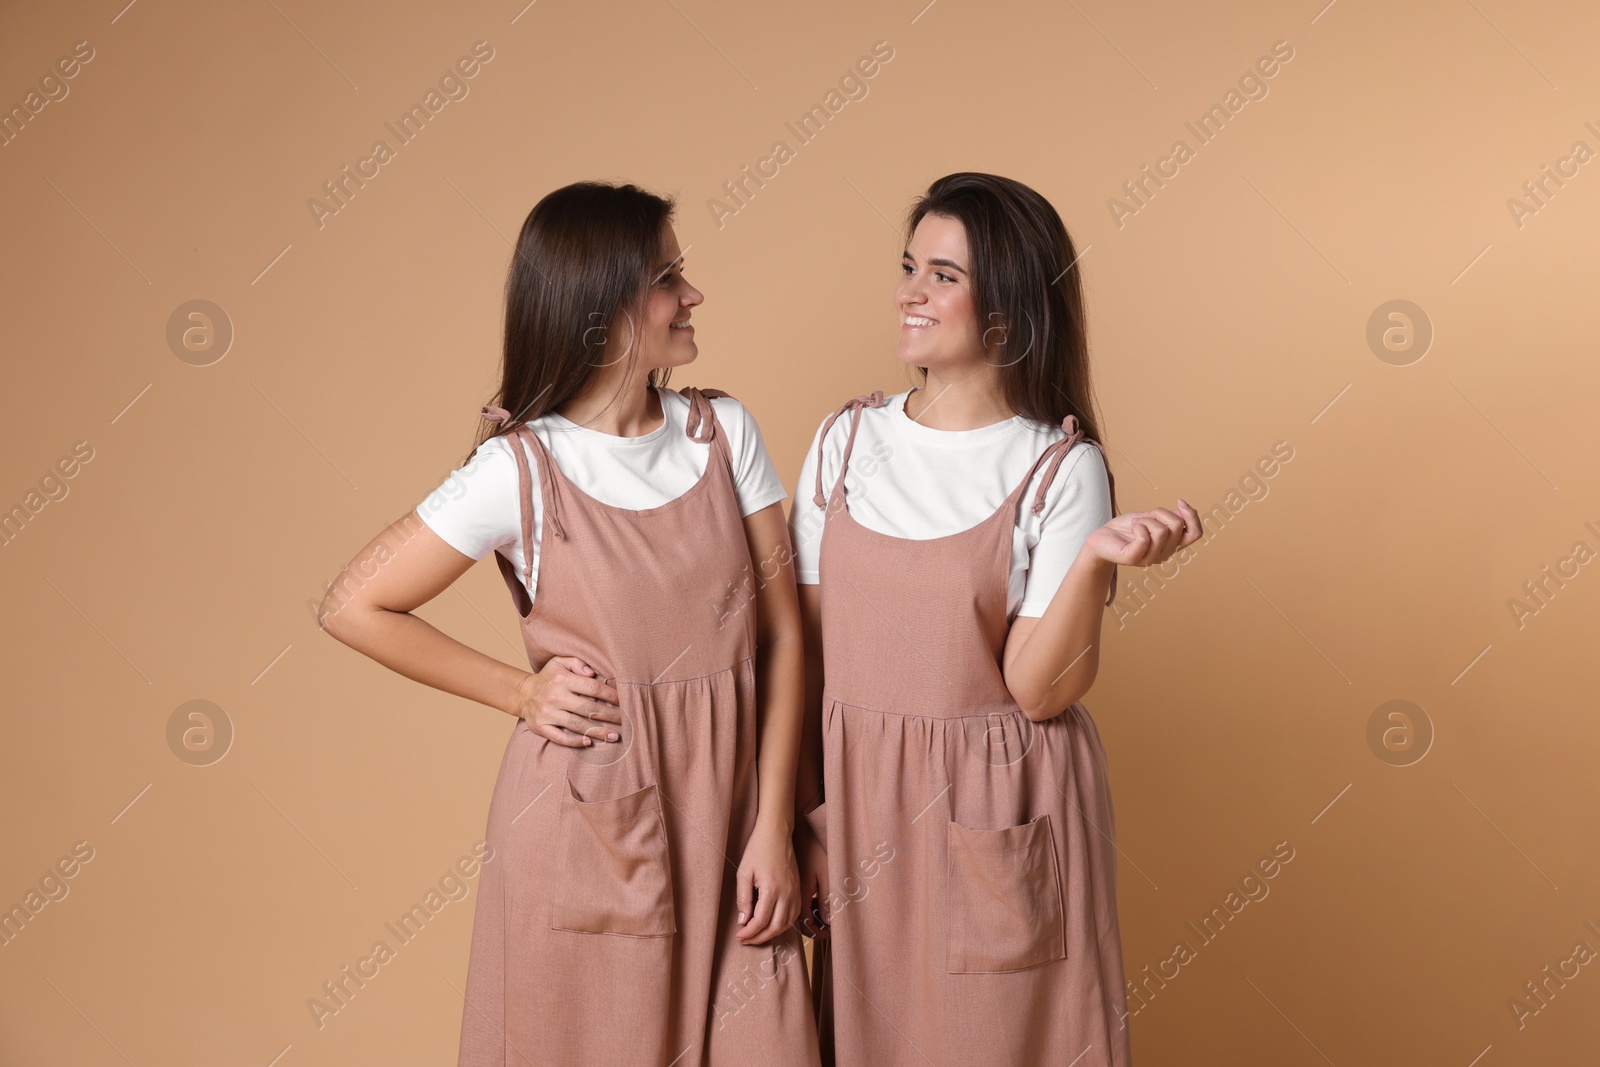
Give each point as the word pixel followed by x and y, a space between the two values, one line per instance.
pixel 910 480
pixel 477 509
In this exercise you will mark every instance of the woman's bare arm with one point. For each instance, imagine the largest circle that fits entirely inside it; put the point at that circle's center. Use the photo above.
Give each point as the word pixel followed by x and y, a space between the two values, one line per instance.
pixel 780 668
pixel 768 878
pixel 1051 661
pixel 369 605
pixel 808 770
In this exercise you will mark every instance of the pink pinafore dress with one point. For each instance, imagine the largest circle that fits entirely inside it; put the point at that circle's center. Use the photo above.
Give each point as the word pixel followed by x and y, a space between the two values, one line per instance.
pixel 605 921
pixel 970 850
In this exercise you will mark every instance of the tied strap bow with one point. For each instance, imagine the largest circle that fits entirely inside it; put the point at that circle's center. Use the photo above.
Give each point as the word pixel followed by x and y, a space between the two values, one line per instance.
pixel 1074 432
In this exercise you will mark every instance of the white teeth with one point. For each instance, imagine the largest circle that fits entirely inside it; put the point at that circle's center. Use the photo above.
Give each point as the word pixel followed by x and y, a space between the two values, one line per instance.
pixel 679 325
pixel 918 320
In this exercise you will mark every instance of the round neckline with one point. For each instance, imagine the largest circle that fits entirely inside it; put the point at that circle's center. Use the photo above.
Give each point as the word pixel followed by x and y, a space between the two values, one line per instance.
pixel 562 424
pixel 700 482
pixel 666 422
pixel 905 424
pixel 992 519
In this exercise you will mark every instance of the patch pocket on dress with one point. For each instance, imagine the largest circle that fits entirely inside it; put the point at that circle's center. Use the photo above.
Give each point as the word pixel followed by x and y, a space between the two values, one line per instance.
pixel 1005 898
pixel 616 872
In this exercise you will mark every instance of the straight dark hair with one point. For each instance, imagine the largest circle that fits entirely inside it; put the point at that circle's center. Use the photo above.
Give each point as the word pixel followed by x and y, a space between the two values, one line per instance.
pixel 1028 292
pixel 582 268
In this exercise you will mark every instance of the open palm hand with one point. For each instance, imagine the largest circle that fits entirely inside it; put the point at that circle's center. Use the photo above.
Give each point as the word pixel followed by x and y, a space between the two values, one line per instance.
pixel 1146 538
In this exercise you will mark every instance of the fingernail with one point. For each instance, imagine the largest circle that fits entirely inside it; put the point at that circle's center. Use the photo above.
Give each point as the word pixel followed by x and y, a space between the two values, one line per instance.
pixel 612 737
pixel 741 916
pixel 588 741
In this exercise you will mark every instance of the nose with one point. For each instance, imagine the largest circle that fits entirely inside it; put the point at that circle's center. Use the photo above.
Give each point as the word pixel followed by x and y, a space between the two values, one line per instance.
pixel 692 297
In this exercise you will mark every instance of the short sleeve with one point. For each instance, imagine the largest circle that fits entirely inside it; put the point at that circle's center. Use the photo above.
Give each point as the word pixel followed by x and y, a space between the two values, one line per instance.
pixel 1077 504
pixel 806 516
pixel 477 508
pixel 754 476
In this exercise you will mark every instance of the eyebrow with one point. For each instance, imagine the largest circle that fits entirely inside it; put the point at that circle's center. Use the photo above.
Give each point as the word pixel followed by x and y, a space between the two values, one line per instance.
pixel 952 264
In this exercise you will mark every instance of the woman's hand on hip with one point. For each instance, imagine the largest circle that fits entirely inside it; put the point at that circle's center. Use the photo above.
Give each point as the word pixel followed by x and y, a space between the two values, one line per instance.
pixel 568 704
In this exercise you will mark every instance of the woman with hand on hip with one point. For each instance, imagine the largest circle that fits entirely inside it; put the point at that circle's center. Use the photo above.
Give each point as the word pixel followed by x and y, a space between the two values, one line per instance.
pixel 637 902
pixel 956 545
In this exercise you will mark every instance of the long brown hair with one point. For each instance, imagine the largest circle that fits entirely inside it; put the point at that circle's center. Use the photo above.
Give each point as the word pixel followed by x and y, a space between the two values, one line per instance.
pixel 584 260
pixel 1025 279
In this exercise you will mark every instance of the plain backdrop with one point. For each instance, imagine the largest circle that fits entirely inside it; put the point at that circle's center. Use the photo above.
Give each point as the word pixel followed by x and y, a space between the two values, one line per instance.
pixel 1442 460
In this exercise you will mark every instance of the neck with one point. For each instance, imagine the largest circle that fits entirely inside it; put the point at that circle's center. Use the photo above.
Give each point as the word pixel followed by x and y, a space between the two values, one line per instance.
pixel 968 399
pixel 616 402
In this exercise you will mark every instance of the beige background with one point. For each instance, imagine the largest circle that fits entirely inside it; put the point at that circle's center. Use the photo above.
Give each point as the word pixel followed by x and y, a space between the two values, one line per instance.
pixel 1228 314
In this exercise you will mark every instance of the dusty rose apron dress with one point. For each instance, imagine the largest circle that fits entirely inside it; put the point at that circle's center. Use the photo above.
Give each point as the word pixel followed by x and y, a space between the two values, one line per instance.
pixel 604 929
pixel 970 850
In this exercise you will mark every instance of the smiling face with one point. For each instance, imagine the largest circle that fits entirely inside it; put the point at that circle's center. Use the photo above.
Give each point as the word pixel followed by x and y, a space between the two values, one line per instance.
pixel 938 315
pixel 663 337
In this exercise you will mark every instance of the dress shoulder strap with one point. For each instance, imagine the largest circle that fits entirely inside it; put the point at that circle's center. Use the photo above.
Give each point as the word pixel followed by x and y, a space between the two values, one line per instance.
pixel 873 399
pixel 1051 459
pixel 522 439
pixel 702 425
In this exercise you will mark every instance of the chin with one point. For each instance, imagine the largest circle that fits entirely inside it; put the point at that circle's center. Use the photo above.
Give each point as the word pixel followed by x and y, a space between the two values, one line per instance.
pixel 910 356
